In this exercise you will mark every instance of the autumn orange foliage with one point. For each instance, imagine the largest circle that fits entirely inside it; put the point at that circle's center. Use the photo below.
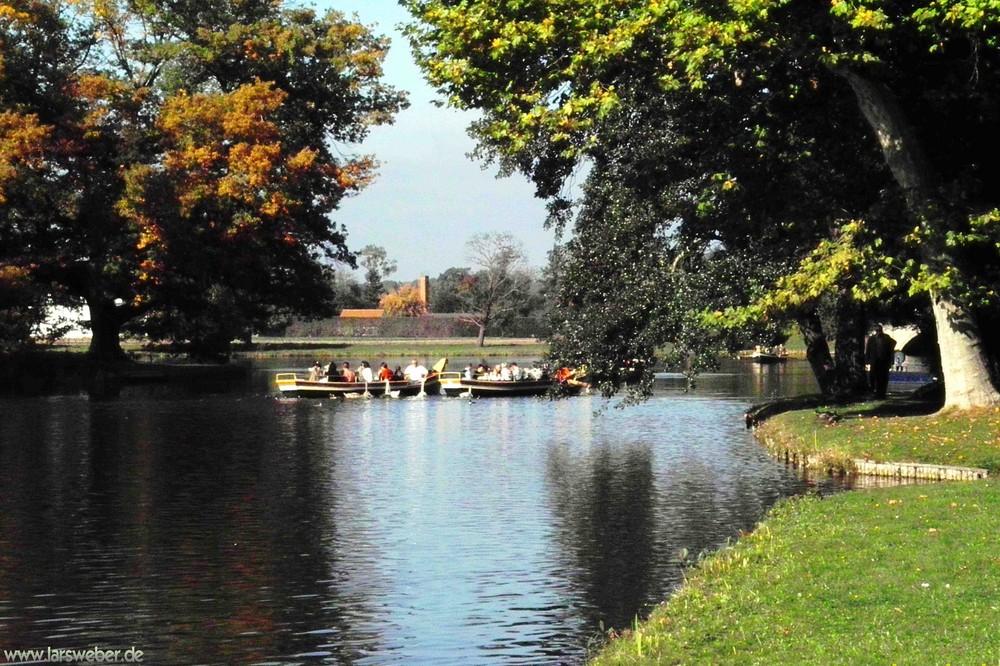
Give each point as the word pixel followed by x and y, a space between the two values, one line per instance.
pixel 404 302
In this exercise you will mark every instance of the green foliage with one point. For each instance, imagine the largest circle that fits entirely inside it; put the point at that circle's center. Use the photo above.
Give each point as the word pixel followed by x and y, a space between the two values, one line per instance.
pixel 847 260
pixel 630 285
pixel 348 293
pixel 722 207
pixel 742 129
pixel 445 290
pixel 378 266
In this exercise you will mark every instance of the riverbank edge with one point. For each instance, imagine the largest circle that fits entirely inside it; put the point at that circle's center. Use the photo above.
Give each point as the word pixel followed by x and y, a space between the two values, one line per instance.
pixel 796 453
pixel 735 608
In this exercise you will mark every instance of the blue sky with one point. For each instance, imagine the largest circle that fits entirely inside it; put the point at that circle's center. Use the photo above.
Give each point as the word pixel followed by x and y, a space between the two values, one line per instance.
pixel 430 198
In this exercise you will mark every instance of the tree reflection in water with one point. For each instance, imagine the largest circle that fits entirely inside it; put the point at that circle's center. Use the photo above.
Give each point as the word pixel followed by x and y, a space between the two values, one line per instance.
pixel 626 511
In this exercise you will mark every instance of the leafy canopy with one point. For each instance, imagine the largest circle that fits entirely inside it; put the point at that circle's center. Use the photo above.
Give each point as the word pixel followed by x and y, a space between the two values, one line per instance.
pixel 178 157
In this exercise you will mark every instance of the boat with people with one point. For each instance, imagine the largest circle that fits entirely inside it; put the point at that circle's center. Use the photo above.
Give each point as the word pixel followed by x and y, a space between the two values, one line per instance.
pixel 292 385
pixel 768 355
pixel 500 384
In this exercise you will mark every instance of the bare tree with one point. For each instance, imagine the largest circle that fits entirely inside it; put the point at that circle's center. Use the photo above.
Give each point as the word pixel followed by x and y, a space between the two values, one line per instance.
pixel 494 291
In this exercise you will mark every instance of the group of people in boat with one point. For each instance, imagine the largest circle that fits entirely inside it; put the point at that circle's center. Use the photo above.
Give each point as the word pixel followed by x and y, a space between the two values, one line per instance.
pixel 365 373
pixel 776 350
pixel 504 372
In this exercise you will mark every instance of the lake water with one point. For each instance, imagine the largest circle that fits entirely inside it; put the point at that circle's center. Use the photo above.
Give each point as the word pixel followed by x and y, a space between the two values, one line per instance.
pixel 237 528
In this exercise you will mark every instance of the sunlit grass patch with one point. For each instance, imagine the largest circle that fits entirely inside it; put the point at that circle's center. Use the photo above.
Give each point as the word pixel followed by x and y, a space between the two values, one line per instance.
pixel 969 438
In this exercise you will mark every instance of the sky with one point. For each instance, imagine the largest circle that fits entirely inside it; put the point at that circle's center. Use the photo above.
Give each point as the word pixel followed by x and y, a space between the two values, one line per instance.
pixel 430 198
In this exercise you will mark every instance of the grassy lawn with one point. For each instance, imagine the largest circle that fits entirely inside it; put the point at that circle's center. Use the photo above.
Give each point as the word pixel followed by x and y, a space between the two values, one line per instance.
pixel 906 575
pixel 356 348
pixel 374 348
pixel 892 432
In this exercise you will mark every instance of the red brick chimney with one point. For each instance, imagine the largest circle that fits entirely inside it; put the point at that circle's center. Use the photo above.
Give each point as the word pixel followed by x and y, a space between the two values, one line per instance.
pixel 424 289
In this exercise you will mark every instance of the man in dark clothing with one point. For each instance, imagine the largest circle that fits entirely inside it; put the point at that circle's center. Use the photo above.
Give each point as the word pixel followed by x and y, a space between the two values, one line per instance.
pixel 878 355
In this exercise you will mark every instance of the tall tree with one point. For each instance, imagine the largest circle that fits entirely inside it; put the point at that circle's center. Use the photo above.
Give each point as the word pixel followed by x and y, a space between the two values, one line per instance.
pixel 924 75
pixel 734 190
pixel 174 165
pixel 495 291
pixel 445 290
pixel 348 292
pixel 375 260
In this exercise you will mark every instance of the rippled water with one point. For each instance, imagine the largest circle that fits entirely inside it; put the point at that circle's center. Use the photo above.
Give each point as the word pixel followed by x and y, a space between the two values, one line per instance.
pixel 243 529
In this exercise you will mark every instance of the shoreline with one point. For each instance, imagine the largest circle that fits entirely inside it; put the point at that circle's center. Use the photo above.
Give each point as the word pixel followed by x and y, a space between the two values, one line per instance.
pixel 306 347
pixel 66 368
pixel 904 575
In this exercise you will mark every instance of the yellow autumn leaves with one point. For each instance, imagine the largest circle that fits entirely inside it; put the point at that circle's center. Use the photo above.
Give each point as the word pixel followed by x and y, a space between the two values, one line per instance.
pixel 22 141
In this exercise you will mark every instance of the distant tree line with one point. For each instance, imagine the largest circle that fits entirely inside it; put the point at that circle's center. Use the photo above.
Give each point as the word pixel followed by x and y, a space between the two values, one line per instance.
pixel 497 294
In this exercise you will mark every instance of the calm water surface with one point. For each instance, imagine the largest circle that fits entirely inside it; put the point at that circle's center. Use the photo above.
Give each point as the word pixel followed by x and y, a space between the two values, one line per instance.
pixel 237 528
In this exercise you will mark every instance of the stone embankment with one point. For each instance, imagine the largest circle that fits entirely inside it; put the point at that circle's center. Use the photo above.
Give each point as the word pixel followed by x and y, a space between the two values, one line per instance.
pixel 898 470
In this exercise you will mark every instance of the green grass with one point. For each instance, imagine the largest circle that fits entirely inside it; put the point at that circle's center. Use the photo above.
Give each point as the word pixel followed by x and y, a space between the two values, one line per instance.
pixel 376 349
pixel 906 575
pixel 353 348
pixel 889 432
pixel 795 344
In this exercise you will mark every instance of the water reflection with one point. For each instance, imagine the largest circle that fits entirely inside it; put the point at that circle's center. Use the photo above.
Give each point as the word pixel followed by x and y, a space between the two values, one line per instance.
pixel 603 504
pixel 743 378
pixel 240 528
pixel 628 510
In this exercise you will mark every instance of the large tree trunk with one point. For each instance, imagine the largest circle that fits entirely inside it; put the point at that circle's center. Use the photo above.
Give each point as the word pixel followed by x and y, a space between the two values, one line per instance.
pixel 967 383
pixel 842 377
pixel 481 340
pixel 967 380
pixel 851 380
pixel 817 350
pixel 105 328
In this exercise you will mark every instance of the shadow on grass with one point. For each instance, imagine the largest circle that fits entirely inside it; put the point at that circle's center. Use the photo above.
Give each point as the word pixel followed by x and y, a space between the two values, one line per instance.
pixel 924 400
pixel 901 406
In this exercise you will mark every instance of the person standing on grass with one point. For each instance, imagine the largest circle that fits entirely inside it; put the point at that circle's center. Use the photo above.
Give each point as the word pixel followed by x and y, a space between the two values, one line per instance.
pixel 878 354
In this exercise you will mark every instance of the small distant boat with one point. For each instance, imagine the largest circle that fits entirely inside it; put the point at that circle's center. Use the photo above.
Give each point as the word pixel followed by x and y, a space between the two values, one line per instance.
pixel 767 357
pixel 293 386
pixel 911 377
pixel 453 384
